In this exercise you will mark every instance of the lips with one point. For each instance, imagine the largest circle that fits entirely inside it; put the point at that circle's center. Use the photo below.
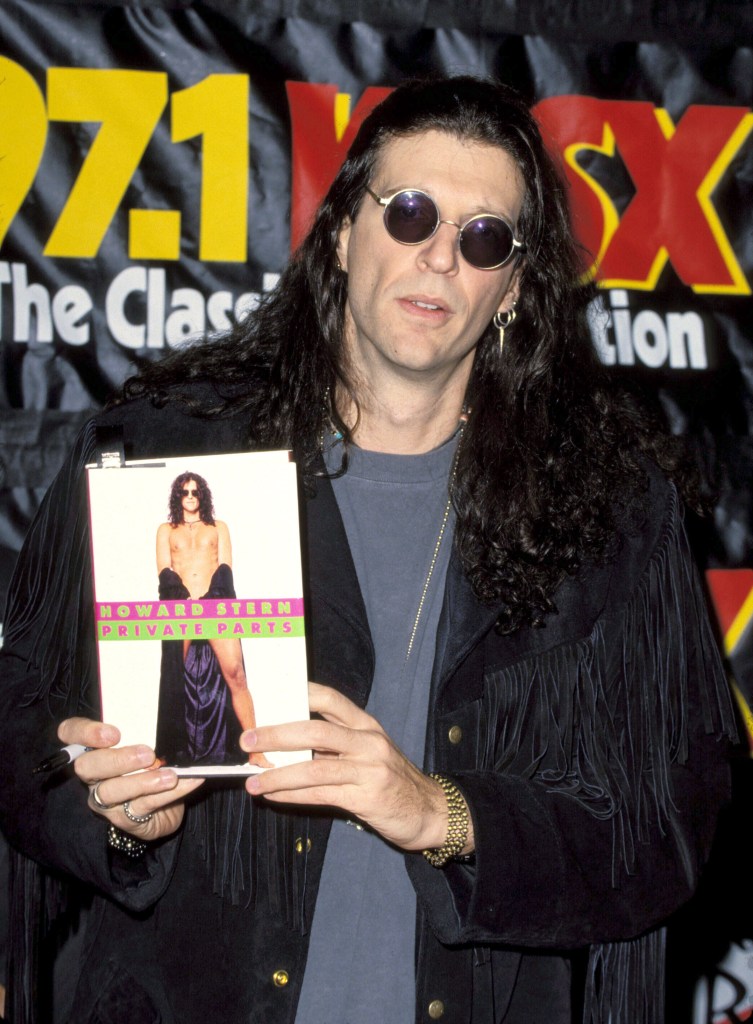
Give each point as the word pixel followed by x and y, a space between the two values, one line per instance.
pixel 429 306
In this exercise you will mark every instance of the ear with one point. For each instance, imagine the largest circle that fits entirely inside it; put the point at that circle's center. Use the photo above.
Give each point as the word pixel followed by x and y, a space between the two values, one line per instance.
pixel 343 239
pixel 511 296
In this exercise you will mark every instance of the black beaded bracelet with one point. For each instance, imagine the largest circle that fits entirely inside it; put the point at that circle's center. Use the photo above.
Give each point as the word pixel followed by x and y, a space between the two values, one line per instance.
pixel 125 843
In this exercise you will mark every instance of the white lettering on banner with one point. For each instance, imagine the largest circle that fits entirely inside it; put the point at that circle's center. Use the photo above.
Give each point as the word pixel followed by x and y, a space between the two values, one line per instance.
pixel 140 310
pixel 676 340
pixel 30 299
pixel 37 315
pixel 219 305
pixel 4 279
pixel 123 331
pixel 69 306
pixel 188 314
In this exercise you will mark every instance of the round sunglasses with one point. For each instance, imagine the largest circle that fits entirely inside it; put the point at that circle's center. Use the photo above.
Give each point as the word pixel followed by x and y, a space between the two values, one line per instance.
pixel 486 241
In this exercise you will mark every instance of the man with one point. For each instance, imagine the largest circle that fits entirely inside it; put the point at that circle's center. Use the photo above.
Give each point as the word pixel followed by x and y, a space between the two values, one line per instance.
pixel 193 543
pixel 518 699
pixel 194 559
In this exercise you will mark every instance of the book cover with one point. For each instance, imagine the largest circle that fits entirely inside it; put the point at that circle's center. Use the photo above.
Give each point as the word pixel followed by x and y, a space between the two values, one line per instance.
pixel 199 605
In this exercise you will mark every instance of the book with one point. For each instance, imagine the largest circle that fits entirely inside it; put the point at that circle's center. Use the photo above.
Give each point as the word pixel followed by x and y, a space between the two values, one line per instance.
pixel 198 601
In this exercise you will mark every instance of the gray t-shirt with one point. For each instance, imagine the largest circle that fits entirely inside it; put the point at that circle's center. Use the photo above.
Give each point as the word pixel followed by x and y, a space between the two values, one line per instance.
pixel 361 962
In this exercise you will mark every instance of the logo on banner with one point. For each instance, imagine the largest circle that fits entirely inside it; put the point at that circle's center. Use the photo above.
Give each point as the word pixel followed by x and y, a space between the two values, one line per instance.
pixel 725 996
pixel 670 218
pixel 642 190
pixel 731 593
pixel 127 107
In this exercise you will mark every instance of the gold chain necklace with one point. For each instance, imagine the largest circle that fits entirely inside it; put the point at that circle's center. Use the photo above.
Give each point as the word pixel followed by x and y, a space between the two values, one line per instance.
pixel 440 535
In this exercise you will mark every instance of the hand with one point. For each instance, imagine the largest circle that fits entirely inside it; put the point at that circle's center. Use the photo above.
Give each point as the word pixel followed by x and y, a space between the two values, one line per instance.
pixel 356 768
pixel 158 791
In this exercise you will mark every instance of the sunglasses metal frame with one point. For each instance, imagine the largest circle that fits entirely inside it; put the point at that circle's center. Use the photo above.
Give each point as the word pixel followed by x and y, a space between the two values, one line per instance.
pixel 518 246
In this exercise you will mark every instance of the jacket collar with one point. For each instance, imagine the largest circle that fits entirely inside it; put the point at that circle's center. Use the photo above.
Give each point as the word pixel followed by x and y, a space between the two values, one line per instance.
pixel 463 622
pixel 340 648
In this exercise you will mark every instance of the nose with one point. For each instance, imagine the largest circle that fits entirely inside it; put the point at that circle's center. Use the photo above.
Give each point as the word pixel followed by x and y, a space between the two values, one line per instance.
pixel 440 253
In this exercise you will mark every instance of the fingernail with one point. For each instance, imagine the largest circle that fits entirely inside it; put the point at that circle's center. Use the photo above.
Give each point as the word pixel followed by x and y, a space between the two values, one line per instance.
pixel 166 778
pixel 253 784
pixel 144 755
pixel 108 734
pixel 248 740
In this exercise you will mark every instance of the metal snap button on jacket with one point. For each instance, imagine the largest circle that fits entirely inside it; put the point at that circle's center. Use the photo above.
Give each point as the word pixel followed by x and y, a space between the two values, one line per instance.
pixel 455 734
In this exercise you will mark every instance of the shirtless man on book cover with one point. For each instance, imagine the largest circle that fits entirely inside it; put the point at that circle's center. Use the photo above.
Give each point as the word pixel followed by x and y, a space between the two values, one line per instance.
pixel 196 548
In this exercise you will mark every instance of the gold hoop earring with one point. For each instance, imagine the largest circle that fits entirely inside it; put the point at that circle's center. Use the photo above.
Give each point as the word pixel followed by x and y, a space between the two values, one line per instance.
pixel 502 321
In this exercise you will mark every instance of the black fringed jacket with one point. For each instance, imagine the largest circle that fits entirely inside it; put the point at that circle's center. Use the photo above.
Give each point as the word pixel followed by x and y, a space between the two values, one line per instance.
pixel 588 751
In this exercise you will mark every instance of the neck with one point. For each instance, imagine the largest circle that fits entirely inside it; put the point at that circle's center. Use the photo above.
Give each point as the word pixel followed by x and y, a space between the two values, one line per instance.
pixel 403 421
pixel 191 522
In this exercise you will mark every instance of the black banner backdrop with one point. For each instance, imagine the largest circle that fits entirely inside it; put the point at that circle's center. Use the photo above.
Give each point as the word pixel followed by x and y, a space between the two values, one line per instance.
pixel 159 160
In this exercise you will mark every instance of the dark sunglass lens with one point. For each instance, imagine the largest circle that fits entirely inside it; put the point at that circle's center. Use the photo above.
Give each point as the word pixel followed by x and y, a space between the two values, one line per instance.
pixel 486 242
pixel 410 217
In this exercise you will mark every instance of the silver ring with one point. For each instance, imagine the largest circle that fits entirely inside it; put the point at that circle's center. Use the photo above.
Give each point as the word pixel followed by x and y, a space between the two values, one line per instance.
pixel 96 798
pixel 137 819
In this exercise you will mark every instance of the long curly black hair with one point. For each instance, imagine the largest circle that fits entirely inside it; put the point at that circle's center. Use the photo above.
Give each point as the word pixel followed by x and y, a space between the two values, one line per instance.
pixel 175 503
pixel 551 455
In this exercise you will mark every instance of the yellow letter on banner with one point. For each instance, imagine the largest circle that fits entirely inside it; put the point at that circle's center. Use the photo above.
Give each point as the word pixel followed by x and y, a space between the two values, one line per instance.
pixel 23 130
pixel 217 109
pixel 127 105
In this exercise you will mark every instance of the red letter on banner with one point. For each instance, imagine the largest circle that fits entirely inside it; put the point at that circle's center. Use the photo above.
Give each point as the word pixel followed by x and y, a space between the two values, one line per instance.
pixel 318 147
pixel 674 170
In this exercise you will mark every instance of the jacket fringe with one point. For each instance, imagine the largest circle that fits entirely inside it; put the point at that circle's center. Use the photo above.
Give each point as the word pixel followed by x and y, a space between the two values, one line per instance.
pixel 603 720
pixel 625 981
pixel 37 901
pixel 235 835
pixel 50 594
pixel 48 598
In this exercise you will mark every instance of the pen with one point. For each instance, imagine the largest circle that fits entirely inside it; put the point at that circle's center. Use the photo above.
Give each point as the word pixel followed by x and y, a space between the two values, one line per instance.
pixel 67 755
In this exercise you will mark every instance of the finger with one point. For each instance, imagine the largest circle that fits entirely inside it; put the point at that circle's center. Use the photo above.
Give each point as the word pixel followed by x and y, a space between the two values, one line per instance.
pixel 309 735
pixel 338 708
pixel 326 781
pixel 88 732
pixel 114 792
pixel 315 796
pixel 153 801
pixel 162 813
pixel 111 762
